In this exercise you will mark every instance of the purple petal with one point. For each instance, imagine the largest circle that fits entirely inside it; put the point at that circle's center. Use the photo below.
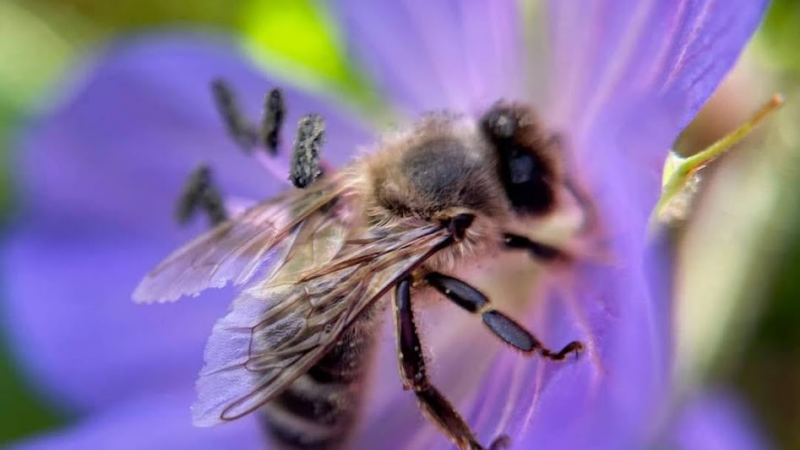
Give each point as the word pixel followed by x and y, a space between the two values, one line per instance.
pixel 429 55
pixel 671 54
pixel 615 114
pixel 130 130
pixel 716 421
pixel 100 174
pixel 606 398
pixel 152 422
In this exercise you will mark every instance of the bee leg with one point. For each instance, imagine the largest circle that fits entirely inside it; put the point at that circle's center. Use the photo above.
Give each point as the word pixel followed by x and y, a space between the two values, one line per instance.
pixel 433 404
pixel 242 132
pixel 305 166
pixel 512 333
pixel 201 193
pixel 537 250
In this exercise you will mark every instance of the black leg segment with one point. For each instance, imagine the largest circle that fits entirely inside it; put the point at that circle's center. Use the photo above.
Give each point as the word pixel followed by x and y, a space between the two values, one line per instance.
pixel 200 193
pixel 459 292
pixel 508 330
pixel 433 404
pixel 412 364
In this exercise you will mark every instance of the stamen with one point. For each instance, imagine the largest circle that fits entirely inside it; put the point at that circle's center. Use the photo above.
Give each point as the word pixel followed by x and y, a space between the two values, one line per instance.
pixel 679 172
pixel 274 112
pixel 201 193
pixel 238 127
pixel 305 165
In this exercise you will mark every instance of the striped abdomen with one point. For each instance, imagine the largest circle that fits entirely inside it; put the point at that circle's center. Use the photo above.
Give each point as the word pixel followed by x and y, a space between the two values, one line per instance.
pixel 320 409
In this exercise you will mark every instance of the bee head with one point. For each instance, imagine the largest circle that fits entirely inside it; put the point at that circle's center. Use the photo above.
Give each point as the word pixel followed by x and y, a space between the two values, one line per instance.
pixel 531 169
pixel 527 167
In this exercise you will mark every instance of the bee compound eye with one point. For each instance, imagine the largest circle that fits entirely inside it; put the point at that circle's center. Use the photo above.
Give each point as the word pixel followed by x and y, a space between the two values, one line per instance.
pixel 523 168
pixel 525 178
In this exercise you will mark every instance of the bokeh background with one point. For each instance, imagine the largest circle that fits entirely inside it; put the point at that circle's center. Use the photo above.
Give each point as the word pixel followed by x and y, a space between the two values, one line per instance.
pixel 738 255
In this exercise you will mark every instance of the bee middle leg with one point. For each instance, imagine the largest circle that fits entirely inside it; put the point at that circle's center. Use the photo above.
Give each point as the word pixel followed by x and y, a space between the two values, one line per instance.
pixel 433 403
pixel 504 327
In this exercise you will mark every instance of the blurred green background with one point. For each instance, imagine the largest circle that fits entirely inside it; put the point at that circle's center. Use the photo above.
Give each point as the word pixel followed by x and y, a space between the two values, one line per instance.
pixel 765 363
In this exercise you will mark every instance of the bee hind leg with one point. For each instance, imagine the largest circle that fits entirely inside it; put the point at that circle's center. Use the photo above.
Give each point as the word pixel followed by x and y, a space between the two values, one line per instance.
pixel 434 404
pixel 200 193
pixel 504 327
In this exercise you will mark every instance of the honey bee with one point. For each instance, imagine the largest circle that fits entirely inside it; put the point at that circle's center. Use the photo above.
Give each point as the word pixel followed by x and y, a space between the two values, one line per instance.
pixel 316 267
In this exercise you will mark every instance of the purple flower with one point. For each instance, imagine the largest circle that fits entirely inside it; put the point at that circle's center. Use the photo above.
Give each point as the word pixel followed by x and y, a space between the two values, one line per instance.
pixel 715 421
pixel 99 174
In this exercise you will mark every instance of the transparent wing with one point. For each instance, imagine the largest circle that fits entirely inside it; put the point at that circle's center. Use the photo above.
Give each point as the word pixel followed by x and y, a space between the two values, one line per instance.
pixel 256 242
pixel 278 329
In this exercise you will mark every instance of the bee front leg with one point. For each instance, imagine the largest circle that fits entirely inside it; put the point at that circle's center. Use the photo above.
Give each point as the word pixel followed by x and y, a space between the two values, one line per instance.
pixel 512 333
pixel 433 404
pixel 202 194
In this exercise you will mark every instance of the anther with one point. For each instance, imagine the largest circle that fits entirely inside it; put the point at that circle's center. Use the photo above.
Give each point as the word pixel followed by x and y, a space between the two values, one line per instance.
pixel 201 193
pixel 305 165
pixel 271 123
pixel 239 128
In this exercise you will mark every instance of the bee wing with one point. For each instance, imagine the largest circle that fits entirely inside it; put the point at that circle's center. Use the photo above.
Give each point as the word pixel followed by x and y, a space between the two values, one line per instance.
pixel 256 242
pixel 276 331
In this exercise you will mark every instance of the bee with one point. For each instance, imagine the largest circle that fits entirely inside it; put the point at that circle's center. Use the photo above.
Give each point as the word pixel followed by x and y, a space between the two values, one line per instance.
pixel 317 266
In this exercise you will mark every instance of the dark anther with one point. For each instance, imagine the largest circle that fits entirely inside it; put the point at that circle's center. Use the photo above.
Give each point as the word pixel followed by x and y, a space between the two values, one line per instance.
pixel 200 193
pixel 239 128
pixel 305 168
pixel 458 225
pixel 537 250
pixel 274 112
